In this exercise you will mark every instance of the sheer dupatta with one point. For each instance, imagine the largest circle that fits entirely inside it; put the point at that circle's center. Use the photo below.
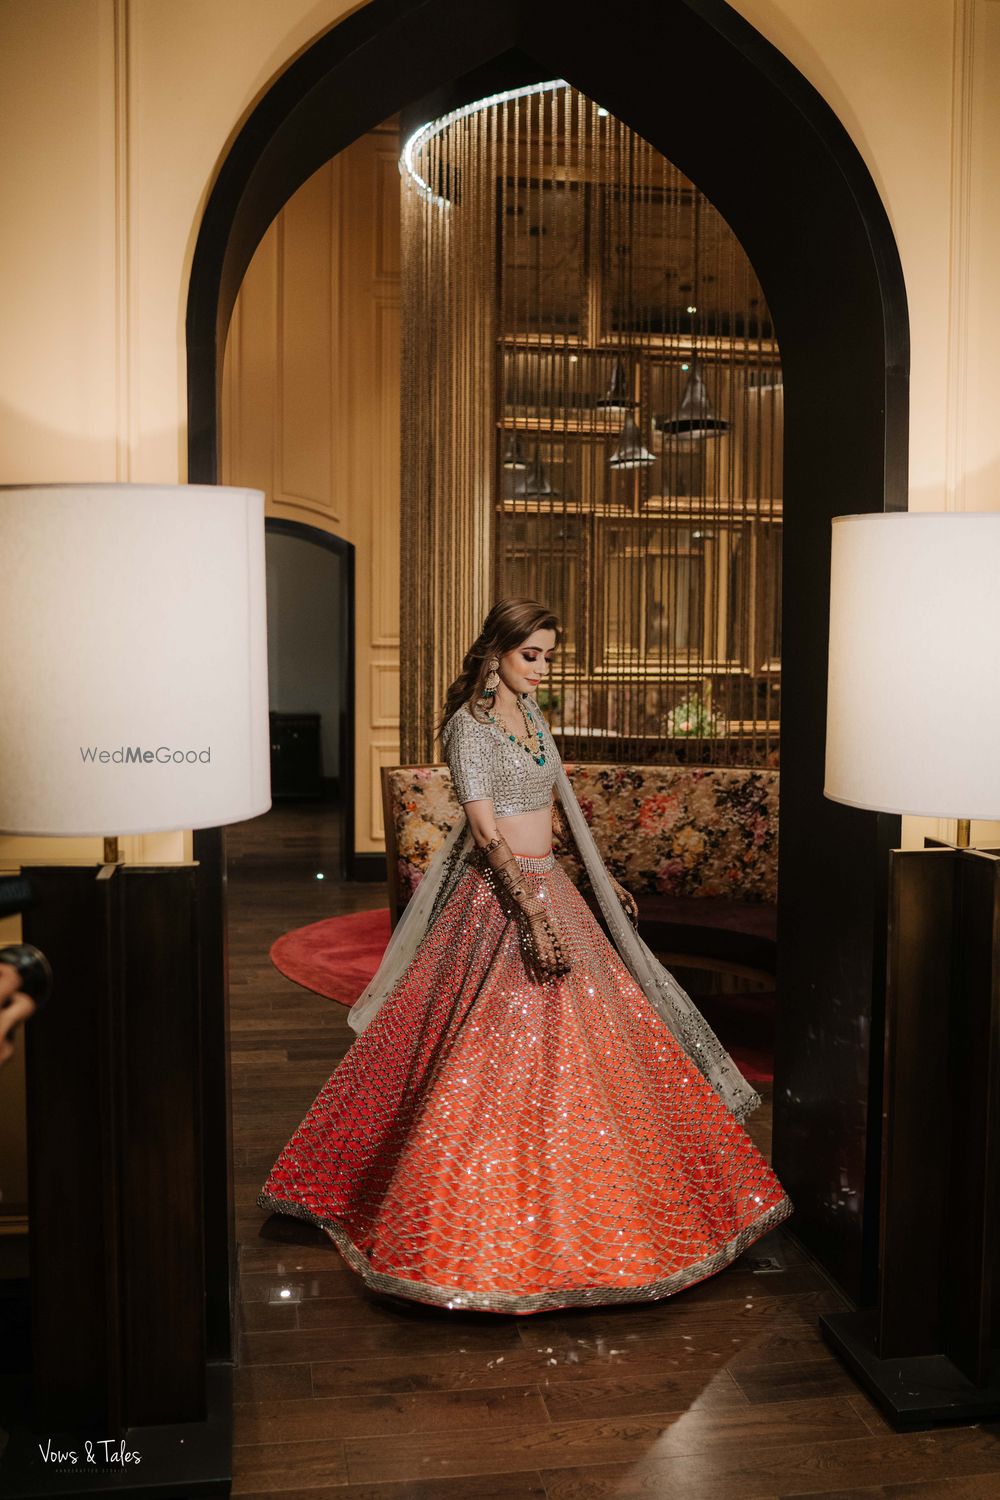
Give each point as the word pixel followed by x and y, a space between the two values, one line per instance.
pixel 419 915
pixel 672 1003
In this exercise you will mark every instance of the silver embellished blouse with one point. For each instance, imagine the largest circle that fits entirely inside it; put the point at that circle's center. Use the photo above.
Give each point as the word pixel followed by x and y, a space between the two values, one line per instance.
pixel 485 762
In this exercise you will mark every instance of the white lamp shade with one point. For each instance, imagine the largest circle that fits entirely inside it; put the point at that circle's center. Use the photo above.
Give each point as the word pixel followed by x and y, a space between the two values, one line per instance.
pixel 913 700
pixel 133 679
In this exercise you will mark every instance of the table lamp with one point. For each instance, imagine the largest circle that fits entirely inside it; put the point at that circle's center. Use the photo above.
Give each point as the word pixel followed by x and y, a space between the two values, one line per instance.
pixel 913 726
pixel 135 700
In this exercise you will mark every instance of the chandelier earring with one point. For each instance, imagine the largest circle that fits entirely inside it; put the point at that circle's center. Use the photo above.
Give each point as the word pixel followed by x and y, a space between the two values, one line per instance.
pixel 492 679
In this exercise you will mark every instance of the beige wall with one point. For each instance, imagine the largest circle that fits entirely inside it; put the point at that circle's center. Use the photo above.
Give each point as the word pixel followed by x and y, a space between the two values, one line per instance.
pixel 311 410
pixel 117 114
pixel 916 83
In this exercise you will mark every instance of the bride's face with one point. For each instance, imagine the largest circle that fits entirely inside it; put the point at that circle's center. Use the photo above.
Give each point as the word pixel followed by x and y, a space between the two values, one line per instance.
pixel 524 668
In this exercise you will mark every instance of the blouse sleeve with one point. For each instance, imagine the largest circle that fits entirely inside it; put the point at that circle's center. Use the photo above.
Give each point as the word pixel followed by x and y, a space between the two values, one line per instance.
pixel 467 753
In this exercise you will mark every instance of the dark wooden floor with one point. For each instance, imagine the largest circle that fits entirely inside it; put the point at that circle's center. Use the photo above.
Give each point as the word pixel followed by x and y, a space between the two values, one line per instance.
pixel 725 1390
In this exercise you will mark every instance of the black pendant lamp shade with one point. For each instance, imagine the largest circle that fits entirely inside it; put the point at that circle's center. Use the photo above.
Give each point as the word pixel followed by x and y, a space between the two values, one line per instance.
pixel 695 416
pixel 514 456
pixel 531 483
pixel 631 452
pixel 618 398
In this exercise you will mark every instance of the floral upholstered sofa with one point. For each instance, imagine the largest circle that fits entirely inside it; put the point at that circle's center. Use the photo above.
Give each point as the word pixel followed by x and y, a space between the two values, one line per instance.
pixel 696 845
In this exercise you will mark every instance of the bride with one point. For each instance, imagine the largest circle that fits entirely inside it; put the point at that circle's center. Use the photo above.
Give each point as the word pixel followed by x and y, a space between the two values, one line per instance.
pixel 532 1116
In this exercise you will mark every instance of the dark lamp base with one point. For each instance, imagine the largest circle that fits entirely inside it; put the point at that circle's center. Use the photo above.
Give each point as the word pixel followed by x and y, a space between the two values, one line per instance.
pixel 918 1390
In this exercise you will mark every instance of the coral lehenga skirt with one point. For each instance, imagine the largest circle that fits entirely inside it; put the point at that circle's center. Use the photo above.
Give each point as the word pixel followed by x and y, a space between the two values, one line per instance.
pixel 494 1142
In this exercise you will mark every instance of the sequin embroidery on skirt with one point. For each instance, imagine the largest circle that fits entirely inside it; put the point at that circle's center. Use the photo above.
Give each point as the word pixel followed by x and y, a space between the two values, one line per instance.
pixel 498 1143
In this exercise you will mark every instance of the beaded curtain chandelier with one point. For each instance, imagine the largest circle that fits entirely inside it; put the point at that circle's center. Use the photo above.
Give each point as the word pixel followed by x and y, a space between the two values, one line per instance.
pixel 592 408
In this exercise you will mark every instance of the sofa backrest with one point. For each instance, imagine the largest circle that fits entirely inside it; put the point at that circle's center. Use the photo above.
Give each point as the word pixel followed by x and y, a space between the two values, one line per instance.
pixel 687 830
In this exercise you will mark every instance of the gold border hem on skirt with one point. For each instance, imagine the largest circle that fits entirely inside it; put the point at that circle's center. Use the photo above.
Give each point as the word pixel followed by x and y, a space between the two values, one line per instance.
pixel 512 1302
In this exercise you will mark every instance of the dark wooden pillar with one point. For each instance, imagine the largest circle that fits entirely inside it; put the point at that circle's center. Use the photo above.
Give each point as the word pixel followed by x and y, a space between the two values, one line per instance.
pixel 119 1066
pixel 929 1351
pixel 217 1116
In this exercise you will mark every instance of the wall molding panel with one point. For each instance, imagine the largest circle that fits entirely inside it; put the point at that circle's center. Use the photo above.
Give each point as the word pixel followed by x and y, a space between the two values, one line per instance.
pixel 384 561
pixel 384 692
pixel 304 366
pixel 311 409
pixel 956 417
pixel 126 311
pixel 379 755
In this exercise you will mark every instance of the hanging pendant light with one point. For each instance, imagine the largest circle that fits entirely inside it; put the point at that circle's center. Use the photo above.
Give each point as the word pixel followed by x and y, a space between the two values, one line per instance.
pixel 695 417
pixel 537 480
pixel 513 454
pixel 530 483
pixel 618 398
pixel 631 452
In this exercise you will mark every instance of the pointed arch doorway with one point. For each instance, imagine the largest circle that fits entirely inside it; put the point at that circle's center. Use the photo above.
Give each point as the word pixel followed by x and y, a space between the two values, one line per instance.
pixel 709 92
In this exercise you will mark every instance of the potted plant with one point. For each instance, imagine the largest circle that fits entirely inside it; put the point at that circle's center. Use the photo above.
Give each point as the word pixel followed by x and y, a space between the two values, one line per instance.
pixel 694 718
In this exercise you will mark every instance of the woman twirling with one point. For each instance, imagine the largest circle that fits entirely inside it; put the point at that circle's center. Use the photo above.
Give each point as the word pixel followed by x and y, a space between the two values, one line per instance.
pixel 531 1116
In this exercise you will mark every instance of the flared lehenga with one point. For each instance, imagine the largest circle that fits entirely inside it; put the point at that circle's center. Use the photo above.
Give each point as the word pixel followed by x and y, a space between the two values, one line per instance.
pixel 504 1144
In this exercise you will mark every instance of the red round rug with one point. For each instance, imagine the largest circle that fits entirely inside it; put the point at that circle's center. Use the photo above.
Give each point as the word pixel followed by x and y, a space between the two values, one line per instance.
pixel 337 956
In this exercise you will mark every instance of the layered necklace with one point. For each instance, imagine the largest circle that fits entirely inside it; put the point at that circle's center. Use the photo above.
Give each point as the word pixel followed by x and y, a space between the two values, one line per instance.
pixel 538 756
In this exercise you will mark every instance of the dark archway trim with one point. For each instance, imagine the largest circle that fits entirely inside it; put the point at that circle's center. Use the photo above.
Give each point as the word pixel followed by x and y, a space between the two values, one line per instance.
pixel 708 91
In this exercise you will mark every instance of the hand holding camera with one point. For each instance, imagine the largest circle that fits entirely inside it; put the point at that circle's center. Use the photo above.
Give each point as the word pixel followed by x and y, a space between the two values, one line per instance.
pixel 25 974
pixel 15 1007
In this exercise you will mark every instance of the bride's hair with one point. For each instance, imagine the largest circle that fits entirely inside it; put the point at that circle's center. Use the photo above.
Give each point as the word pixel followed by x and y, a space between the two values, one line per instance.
pixel 508 623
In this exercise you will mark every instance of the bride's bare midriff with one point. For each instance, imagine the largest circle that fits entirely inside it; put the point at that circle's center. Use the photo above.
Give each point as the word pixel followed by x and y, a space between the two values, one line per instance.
pixel 528 833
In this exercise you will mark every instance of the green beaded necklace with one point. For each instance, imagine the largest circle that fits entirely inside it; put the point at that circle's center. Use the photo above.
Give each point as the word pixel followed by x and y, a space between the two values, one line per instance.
pixel 539 758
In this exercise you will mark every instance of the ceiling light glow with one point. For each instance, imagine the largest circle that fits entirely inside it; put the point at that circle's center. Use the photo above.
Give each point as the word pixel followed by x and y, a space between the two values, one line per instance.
pixel 419 138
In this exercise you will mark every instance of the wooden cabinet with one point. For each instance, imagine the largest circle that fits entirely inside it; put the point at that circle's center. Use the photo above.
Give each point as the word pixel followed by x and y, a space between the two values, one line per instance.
pixel 296 759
